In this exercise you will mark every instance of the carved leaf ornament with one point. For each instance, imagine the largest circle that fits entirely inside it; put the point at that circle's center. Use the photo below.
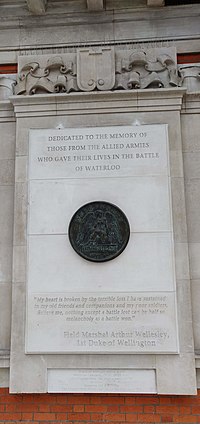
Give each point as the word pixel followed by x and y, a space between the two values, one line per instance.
pixel 100 69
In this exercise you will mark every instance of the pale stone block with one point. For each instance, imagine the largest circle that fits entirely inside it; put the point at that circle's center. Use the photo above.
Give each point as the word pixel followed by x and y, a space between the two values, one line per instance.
pixel 192 195
pixel 7 140
pixel 19 264
pixel 145 264
pixel 28 374
pixel 93 120
pixel 5 263
pixel 110 4
pixel 38 7
pixel 194 255
pixel 159 28
pixel 73 34
pixel 104 381
pixel 4 377
pixel 95 4
pixel 18 309
pixel 21 169
pixel 192 165
pixel 5 315
pixel 98 361
pixel 20 214
pixel 7 168
pixel 195 293
pixel 10 37
pixel 190 132
pixel 184 316
pixel 182 368
pixel 155 3
pixel 22 134
pixel 144 200
pixel 176 163
pixel 198 378
pixel 6 214
pixel 181 260
pixel 178 207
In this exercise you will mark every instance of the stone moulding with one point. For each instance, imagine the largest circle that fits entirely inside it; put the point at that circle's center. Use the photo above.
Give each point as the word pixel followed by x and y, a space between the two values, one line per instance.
pixel 6 86
pixel 190 75
pixel 98 69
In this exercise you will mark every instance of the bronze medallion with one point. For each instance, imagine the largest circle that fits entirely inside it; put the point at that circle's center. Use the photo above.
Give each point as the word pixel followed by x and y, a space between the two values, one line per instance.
pixel 99 231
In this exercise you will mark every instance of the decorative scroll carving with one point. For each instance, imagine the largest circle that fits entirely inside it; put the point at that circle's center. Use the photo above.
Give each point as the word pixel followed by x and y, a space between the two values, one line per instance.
pixel 190 76
pixel 6 86
pixel 99 69
pixel 55 77
pixel 140 71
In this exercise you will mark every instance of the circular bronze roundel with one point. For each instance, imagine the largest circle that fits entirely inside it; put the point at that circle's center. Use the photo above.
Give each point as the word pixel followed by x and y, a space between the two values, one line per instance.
pixel 99 231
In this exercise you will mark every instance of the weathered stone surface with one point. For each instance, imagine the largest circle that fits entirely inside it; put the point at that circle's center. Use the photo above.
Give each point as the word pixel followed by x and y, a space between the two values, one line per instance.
pixel 5 308
pixel 98 69
pixel 37 7
pixel 190 75
pixel 84 380
pixel 70 112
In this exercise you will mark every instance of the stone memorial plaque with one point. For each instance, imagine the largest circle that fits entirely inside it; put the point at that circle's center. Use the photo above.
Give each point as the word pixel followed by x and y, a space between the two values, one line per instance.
pixel 91 298
pixel 101 381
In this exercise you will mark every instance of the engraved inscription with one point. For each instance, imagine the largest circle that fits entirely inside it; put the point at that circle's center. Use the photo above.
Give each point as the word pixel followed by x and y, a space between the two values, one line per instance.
pixel 101 380
pixel 107 322
pixel 98 152
pixel 99 231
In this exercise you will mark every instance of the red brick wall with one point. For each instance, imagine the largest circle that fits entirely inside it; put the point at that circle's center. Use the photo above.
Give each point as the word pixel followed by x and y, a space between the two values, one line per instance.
pixel 107 409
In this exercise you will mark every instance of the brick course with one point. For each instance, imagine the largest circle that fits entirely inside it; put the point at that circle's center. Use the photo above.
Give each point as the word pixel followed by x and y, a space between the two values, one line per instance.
pixel 97 409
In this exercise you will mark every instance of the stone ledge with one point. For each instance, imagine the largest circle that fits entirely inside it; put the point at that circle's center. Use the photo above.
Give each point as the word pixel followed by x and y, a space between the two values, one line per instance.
pixel 90 103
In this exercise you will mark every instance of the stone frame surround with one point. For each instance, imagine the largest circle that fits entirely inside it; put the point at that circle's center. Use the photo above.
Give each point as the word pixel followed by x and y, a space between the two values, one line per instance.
pixel 29 372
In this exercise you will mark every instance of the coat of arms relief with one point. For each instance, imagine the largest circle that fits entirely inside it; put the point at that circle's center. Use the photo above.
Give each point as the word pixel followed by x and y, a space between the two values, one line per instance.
pixel 104 68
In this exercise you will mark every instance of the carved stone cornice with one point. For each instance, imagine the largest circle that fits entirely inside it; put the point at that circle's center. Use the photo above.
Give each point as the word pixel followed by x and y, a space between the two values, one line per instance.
pixel 191 103
pixel 90 103
pixel 100 69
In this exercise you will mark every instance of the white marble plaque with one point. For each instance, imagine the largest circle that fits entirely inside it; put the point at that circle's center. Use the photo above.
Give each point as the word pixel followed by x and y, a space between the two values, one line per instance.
pixel 134 310
pixel 96 322
pixel 138 197
pixel 101 381
pixel 98 152
pixel 146 264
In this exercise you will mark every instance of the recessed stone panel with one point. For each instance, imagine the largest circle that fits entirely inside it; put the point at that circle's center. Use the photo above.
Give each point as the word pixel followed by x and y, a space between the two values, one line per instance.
pixel 145 264
pixel 103 322
pixel 126 305
pixel 101 381
pixel 137 196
